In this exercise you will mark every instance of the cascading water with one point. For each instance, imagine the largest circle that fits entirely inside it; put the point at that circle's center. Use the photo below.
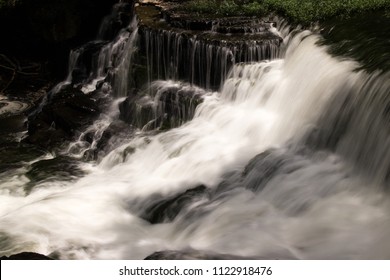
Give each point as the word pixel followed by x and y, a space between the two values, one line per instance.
pixel 173 55
pixel 176 49
pixel 289 160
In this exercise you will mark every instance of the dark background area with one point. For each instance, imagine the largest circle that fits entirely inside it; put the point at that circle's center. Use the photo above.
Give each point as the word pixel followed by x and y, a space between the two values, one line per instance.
pixel 44 31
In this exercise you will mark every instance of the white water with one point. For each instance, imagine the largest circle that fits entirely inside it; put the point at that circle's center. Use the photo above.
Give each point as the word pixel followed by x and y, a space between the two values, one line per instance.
pixel 115 59
pixel 321 208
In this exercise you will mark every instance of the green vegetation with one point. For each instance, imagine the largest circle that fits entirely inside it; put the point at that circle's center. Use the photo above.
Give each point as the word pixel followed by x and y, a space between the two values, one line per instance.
pixel 302 11
pixel 4 3
pixel 226 8
pixel 8 3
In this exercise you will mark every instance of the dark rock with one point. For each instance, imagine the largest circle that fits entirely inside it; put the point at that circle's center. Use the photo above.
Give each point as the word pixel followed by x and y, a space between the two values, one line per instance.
pixel 100 142
pixel 118 19
pixel 26 256
pixel 115 132
pixel 89 54
pixel 62 116
pixel 173 46
pixel 47 29
pixel 137 110
pixel 177 105
pixel 191 254
pixel 14 154
pixel 167 209
pixel 260 170
pixel 13 123
pixel 173 105
pixel 59 168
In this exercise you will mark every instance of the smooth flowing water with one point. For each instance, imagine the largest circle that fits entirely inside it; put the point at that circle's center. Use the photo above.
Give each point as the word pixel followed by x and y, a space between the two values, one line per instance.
pixel 289 159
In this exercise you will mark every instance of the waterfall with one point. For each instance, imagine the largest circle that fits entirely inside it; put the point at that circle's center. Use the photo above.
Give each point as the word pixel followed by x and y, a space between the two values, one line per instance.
pixel 271 150
pixel 100 60
pixel 355 124
pixel 114 61
pixel 294 199
pixel 176 50
pixel 176 56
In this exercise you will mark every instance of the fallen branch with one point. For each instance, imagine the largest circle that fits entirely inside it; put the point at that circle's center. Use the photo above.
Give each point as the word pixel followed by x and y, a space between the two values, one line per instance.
pixel 15 66
pixel 9 82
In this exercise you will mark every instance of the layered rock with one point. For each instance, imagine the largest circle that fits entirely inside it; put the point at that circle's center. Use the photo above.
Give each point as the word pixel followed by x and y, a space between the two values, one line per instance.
pixel 201 50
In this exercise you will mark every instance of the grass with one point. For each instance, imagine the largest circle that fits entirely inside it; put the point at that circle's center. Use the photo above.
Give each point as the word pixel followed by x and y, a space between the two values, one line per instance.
pixel 300 11
pixel 8 3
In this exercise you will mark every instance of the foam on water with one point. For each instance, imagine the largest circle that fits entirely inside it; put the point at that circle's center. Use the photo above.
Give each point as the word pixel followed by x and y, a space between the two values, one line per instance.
pixel 315 206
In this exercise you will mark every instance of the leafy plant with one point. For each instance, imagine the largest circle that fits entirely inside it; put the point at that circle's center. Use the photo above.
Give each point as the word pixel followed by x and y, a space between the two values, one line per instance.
pixel 303 11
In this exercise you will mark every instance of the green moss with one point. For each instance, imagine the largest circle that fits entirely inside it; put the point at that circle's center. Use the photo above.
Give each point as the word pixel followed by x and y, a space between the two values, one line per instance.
pixel 302 11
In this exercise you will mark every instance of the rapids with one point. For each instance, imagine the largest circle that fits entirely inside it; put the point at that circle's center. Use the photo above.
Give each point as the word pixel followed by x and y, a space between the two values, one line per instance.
pixel 293 154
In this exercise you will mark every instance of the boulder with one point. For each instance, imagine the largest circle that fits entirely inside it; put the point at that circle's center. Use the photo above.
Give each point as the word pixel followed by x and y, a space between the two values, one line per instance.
pixel 166 209
pixel 169 105
pixel 191 254
pixel 26 256
pixel 59 168
pixel 64 114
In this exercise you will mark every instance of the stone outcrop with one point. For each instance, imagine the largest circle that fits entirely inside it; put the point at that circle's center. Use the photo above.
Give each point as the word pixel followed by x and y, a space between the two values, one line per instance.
pixel 200 50
pixel 62 116
pixel 26 256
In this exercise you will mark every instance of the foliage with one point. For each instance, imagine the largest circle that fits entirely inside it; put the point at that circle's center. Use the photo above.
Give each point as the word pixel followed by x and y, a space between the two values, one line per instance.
pixel 9 3
pixel 303 11
pixel 313 10
pixel 224 8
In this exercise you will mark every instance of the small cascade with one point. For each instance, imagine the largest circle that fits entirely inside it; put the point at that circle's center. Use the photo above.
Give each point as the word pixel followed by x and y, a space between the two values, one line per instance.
pixel 106 59
pixel 238 177
pixel 72 63
pixel 169 104
pixel 98 72
pixel 179 56
pixel 288 159
pixel 120 16
pixel 113 63
pixel 355 125
pixel 201 52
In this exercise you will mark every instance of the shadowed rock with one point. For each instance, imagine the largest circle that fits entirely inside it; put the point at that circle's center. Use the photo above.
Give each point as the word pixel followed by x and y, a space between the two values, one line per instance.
pixel 26 256
pixel 167 209
pixel 62 116
pixel 191 254
pixel 169 105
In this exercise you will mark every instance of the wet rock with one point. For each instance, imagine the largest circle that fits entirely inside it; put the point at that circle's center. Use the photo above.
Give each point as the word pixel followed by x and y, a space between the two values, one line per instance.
pixel 137 110
pixel 14 154
pixel 13 123
pixel 89 54
pixel 115 133
pixel 260 170
pixel 167 209
pixel 26 256
pixel 177 105
pixel 191 254
pixel 59 168
pixel 118 19
pixel 62 116
pixel 49 29
pixel 173 44
pixel 170 105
